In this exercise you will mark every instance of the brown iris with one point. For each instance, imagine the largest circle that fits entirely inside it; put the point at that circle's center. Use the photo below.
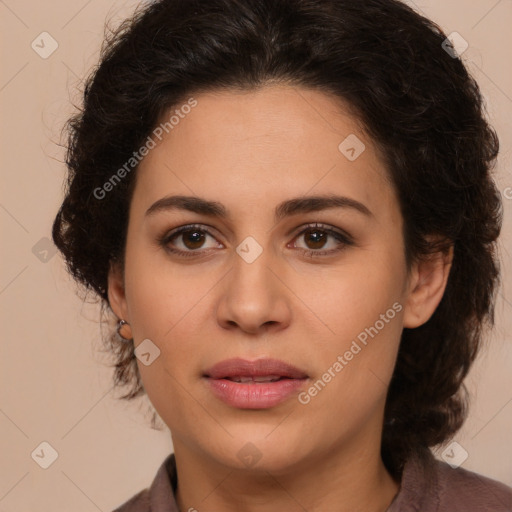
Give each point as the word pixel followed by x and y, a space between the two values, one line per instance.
pixel 316 236
pixel 194 237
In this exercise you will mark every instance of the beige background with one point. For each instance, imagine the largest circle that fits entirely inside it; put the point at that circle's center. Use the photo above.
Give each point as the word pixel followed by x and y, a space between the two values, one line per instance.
pixel 55 385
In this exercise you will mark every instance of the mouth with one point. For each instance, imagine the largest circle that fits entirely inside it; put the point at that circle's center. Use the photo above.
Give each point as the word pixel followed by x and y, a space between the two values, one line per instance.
pixel 259 384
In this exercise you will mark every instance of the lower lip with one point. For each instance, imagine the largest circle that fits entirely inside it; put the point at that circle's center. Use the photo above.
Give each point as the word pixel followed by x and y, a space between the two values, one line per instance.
pixel 254 395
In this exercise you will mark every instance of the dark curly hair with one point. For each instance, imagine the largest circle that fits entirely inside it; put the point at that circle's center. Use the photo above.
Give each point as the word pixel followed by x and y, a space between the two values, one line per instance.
pixel 413 97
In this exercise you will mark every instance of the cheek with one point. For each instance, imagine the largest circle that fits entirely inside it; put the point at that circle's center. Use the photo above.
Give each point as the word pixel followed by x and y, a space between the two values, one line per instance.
pixel 158 293
pixel 172 307
pixel 361 321
pixel 167 309
pixel 354 368
pixel 346 299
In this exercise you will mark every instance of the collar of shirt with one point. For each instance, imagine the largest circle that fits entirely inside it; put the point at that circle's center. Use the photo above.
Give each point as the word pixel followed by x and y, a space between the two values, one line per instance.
pixel 427 485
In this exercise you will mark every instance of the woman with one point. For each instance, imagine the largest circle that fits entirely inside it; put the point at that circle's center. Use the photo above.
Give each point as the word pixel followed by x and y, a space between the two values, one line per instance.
pixel 287 207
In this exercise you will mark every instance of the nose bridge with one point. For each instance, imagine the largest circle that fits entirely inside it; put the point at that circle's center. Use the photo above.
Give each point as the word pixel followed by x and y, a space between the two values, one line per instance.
pixel 254 297
pixel 251 269
pixel 255 250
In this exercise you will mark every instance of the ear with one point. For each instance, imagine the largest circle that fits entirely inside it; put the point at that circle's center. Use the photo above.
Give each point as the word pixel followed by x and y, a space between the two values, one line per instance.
pixel 116 292
pixel 426 287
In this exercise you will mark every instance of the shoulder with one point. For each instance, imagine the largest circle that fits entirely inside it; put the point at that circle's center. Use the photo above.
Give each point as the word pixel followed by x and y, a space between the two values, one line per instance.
pixel 138 503
pixel 431 485
pixel 463 490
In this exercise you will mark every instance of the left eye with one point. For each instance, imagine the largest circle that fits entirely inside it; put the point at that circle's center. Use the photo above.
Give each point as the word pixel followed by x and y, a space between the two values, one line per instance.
pixel 316 238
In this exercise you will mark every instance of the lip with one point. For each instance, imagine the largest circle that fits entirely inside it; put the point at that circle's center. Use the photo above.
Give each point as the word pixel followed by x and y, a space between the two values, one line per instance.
pixel 258 368
pixel 254 395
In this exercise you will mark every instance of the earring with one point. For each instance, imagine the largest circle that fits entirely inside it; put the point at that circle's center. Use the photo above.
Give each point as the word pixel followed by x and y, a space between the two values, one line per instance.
pixel 121 329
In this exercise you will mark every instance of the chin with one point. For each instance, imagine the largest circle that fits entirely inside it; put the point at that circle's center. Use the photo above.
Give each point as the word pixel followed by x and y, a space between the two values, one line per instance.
pixel 256 449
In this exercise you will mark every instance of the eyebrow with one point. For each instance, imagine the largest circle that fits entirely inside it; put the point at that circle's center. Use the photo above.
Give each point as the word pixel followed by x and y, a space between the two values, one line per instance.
pixel 287 208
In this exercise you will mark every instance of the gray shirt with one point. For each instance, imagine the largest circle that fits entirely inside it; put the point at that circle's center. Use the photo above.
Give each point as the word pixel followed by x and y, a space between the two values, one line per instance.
pixel 427 485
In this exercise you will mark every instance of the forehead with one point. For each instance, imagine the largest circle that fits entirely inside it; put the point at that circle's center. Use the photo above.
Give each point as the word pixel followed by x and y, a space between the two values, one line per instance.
pixel 249 146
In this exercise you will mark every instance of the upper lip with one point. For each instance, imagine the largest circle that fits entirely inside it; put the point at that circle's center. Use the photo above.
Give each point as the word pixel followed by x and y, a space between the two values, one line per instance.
pixel 239 367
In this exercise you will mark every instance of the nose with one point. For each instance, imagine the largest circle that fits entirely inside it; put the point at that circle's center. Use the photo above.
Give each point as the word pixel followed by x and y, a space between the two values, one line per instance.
pixel 255 297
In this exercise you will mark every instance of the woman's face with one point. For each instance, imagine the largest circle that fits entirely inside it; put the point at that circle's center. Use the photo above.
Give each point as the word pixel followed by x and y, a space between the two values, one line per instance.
pixel 261 281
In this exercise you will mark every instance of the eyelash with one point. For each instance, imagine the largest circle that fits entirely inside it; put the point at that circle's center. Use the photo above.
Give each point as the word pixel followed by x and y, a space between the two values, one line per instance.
pixel 345 240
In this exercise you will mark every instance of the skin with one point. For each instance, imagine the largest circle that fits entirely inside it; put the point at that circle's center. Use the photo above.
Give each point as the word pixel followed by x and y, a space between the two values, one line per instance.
pixel 250 151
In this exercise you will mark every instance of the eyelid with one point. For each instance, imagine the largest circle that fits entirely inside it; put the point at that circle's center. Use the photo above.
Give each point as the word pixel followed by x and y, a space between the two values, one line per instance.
pixel 342 236
pixel 320 226
pixel 168 235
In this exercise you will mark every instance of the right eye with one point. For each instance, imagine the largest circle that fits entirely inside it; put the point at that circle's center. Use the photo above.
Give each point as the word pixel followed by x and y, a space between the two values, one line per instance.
pixel 190 238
